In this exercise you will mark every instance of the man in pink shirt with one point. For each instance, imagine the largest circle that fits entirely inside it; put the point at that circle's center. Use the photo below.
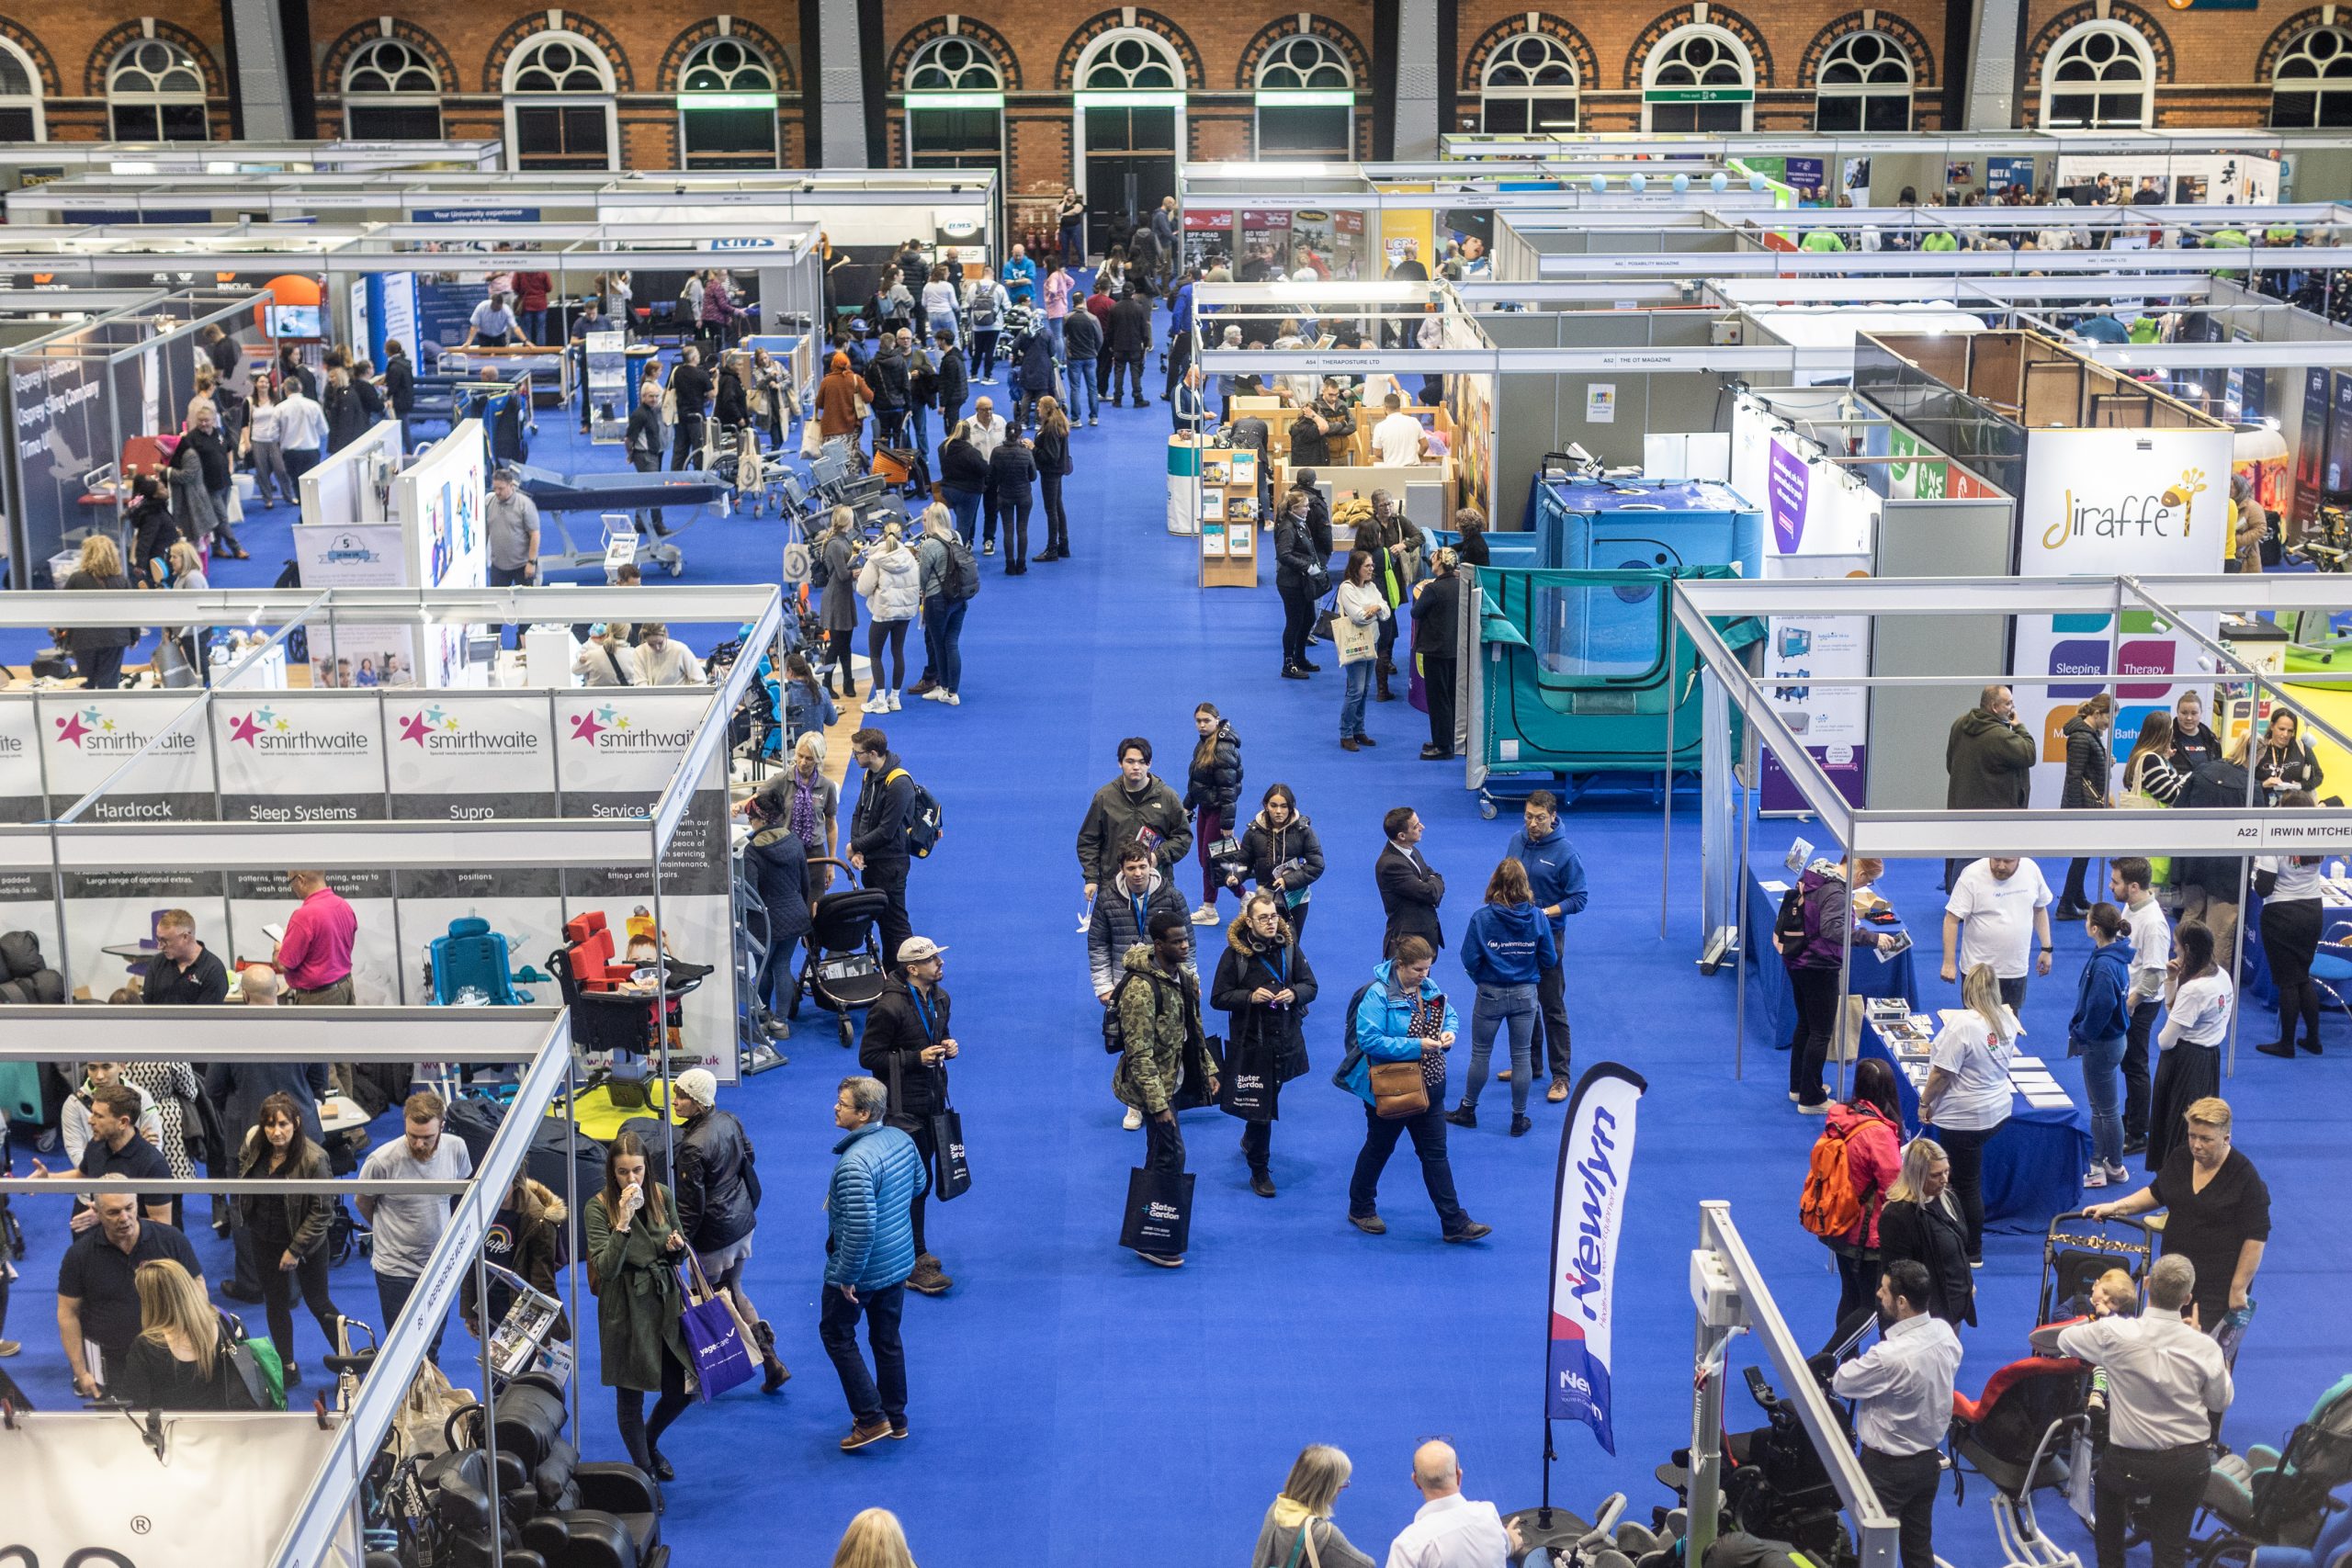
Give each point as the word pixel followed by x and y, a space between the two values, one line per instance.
pixel 315 953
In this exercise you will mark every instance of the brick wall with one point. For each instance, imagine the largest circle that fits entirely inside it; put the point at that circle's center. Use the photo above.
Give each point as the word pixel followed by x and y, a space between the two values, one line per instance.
pixel 2212 68
pixel 72 46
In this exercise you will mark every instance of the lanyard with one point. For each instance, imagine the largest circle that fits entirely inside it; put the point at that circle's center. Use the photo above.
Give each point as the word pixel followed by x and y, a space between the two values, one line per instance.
pixel 930 1030
pixel 1281 968
pixel 1139 902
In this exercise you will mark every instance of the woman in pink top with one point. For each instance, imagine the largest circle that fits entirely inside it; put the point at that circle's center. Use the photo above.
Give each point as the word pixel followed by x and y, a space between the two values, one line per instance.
pixel 1058 288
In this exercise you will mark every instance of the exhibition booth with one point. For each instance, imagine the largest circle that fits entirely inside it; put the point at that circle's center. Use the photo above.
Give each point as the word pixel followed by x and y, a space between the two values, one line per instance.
pixel 287 1488
pixel 27 164
pixel 428 805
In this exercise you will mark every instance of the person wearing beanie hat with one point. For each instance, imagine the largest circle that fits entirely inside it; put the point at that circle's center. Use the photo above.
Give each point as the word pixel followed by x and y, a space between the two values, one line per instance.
pixel 719 1199
pixel 908 1044
pixel 841 397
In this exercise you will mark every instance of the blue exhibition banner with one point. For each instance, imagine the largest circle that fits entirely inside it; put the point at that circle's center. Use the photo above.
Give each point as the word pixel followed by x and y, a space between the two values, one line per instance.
pixel 1587 1214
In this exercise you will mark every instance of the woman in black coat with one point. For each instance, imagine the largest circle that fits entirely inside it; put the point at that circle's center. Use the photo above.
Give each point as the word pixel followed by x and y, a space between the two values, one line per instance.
pixel 153 531
pixel 2090 764
pixel 733 409
pixel 1263 982
pixel 1213 794
pixel 1281 853
pixel 1921 1223
pixel 2283 759
pixel 1012 476
pixel 1051 450
pixel 964 481
pixel 1296 564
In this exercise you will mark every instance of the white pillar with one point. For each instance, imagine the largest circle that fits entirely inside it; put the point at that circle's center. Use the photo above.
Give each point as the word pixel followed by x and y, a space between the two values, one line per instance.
pixel 260 87
pixel 1417 55
pixel 841 86
pixel 1993 75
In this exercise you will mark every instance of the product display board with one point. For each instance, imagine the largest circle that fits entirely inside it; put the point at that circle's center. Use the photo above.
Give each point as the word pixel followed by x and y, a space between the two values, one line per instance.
pixel 438 501
pixel 2104 503
pixel 608 393
pixel 1184 484
pixel 1229 517
pixel 362 554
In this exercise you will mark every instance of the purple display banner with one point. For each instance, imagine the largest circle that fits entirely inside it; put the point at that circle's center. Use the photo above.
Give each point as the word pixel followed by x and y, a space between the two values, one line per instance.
pixel 1786 486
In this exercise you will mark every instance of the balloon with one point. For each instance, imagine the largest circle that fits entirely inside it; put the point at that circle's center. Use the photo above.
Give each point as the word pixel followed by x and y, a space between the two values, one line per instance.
pixel 1755 182
pixel 1681 183
pixel 1600 183
pixel 1639 183
pixel 1718 181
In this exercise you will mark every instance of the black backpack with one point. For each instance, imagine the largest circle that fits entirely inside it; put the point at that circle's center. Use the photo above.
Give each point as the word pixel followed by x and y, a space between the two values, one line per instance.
pixel 1348 1038
pixel 1114 1039
pixel 925 819
pixel 821 571
pixel 964 572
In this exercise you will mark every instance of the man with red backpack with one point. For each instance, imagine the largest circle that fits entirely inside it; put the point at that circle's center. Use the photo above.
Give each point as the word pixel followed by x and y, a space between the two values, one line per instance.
pixel 1855 1160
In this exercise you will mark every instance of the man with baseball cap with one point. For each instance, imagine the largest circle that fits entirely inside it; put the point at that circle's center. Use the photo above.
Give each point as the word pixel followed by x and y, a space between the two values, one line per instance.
pixel 908 1044
pixel 719 1199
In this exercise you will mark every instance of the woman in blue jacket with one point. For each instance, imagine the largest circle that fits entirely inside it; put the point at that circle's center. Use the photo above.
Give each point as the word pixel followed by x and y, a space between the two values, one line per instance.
pixel 1382 1029
pixel 1506 949
pixel 2101 1023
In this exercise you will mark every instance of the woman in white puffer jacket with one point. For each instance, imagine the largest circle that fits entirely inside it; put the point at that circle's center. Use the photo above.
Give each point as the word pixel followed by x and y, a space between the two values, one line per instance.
pixel 891 584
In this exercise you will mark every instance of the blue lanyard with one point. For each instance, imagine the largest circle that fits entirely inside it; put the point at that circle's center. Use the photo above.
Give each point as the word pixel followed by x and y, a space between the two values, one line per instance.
pixel 1138 902
pixel 1280 967
pixel 931 1031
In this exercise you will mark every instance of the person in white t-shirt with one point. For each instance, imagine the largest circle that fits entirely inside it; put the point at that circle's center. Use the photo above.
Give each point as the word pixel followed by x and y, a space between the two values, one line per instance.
pixel 1999 908
pixel 2132 882
pixel 1398 440
pixel 1449 1530
pixel 2197 998
pixel 1967 1094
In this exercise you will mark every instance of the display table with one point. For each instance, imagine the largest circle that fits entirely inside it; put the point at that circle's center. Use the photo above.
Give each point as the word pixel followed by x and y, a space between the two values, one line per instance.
pixel 2033 1166
pixel 1771 1002
pixel 2335 911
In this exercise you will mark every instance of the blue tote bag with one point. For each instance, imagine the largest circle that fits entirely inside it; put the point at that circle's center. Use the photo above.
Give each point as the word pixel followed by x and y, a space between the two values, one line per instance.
pixel 720 1344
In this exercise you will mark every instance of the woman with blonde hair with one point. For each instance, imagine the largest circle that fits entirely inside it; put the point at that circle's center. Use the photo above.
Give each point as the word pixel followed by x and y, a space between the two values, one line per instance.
pixel 1920 1222
pixel 98 650
pixel 891 584
pixel 176 1363
pixel 1317 1478
pixel 942 553
pixel 1051 450
pixel 1967 1096
pixel 873 1539
pixel 187 574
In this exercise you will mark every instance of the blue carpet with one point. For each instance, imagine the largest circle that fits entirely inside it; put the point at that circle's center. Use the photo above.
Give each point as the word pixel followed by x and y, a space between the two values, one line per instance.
pixel 1160 1411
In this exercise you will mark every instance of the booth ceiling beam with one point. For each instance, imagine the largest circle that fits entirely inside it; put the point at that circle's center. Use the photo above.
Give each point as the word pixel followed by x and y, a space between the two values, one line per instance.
pixel 1933 263
pixel 70 1032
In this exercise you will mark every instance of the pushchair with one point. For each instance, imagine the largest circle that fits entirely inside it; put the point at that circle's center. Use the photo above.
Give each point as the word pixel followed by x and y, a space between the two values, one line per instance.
pixel 2028 1429
pixel 2270 1496
pixel 842 972
pixel 2078 1249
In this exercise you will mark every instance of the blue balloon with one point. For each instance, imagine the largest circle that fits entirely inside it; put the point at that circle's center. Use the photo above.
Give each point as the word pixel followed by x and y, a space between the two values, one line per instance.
pixel 1681 183
pixel 1600 183
pixel 1639 182
pixel 1755 182
pixel 1718 181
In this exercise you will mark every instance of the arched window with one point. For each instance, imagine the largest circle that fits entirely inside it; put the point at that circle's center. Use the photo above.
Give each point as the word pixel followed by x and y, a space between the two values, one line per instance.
pixel 560 105
pixel 2100 75
pixel 1529 88
pixel 955 107
pixel 156 93
pixel 726 99
pixel 1864 85
pixel 1698 78
pixel 1130 127
pixel 391 93
pixel 1307 100
pixel 2311 88
pixel 20 113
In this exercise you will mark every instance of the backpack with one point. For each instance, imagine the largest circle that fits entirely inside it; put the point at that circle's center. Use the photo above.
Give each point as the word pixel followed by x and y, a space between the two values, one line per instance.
pixel 923 817
pixel 984 309
pixel 821 572
pixel 1348 1038
pixel 1791 921
pixel 1830 1207
pixel 1115 1040
pixel 964 579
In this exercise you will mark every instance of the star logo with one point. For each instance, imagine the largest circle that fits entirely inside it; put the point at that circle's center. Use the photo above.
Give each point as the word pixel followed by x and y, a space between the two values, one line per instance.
pixel 606 713
pixel 413 728
pixel 244 728
pixel 585 728
pixel 622 725
pixel 71 727
pixel 105 725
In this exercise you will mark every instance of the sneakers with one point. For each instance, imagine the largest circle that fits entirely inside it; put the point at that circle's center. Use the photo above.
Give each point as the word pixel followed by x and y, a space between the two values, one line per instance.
pixel 1205 915
pixel 1162 1259
pixel 1293 673
pixel 937 695
pixel 2116 1174
pixel 2095 1177
pixel 1818 1108
pixel 877 701
pixel 1474 1231
pixel 989 548
pixel 953 700
pixel 1520 1126
pixel 9 1347
pixel 894 703
pixel 927 1280
pixel 1133 1121
pixel 861 1434
pixel 1463 1116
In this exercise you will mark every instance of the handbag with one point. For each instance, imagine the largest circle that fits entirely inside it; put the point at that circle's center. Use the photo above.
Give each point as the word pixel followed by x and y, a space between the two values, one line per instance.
pixel 1356 640
pixel 716 1335
pixel 1398 1090
pixel 1159 1219
pixel 1318 580
pixel 812 441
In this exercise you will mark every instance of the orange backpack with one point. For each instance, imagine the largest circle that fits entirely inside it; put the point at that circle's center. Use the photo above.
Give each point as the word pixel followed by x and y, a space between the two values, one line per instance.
pixel 1830 1207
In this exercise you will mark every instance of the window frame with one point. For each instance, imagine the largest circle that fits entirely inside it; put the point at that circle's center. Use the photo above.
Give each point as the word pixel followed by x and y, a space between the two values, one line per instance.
pixel 1662 52
pixel 395 100
pixel 1530 95
pixel 2140 48
pixel 2315 88
pixel 1863 91
pixel 606 96
pixel 757 57
pixel 155 101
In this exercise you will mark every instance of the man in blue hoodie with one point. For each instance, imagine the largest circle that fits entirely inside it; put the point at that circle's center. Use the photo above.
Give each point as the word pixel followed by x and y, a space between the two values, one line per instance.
pixel 1556 877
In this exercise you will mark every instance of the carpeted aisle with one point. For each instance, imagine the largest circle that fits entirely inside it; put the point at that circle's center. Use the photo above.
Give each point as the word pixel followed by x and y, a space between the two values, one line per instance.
pixel 1073 1406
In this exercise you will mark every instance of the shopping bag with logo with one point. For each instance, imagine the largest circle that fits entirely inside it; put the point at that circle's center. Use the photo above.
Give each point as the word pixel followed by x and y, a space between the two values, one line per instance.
pixel 1356 641
pixel 1160 1211
pixel 1250 1086
pixel 721 1346
pixel 952 1177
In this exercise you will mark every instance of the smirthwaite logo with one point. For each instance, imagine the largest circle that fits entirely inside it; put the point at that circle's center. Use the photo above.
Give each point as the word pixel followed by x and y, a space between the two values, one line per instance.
pixel 2131 516
pixel 608 729
pixel 437 730
pixel 97 735
pixel 265 730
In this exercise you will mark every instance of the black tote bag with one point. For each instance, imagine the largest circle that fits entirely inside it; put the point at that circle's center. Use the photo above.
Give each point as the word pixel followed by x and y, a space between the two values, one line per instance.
pixel 951 1176
pixel 1250 1087
pixel 1159 1212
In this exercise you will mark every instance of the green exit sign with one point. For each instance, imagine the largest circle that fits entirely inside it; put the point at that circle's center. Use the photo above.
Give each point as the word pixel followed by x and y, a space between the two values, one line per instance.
pixel 1698 95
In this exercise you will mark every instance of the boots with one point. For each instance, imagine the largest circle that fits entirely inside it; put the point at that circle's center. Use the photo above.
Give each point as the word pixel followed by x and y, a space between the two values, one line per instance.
pixel 777 1376
pixel 927 1280
pixel 1384 671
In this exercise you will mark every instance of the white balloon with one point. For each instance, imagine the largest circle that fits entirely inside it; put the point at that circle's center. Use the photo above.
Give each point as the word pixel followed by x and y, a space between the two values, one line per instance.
pixel 1639 182
pixel 1681 183
pixel 1755 182
pixel 1600 183
pixel 1718 181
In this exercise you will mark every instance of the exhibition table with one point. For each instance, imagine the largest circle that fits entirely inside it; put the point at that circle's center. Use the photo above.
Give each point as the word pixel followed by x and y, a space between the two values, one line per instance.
pixel 2033 1166
pixel 1772 1003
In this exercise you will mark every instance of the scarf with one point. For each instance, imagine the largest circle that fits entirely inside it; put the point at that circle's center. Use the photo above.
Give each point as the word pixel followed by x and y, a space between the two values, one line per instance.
pixel 802 816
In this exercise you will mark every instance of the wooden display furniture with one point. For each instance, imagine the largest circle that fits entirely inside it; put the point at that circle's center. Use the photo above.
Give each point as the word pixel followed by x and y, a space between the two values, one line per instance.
pixel 1229 519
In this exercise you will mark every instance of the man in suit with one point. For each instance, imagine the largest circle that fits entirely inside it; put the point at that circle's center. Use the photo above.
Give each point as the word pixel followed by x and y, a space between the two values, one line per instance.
pixel 1410 890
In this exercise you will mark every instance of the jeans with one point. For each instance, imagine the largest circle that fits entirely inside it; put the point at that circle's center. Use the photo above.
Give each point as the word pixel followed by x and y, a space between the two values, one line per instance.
pixel 775 971
pixel 966 505
pixel 1352 705
pixel 943 322
pixel 1380 1135
pixel 2135 1069
pixel 1084 389
pixel 1056 519
pixel 837 1326
pixel 270 477
pixel 1907 1486
pixel 1013 511
pixel 1965 1148
pixel 1816 991
pixel 1053 329
pixel 1514 1005
pixel 918 424
pixel 649 463
pixel 2171 1481
pixel 1073 242
pixel 641 1439
pixel 944 628
pixel 1126 368
pixel 2101 1058
pixel 1552 992
pixel 278 1287
pixel 534 325
pixel 2013 993
pixel 890 878
pixel 392 1292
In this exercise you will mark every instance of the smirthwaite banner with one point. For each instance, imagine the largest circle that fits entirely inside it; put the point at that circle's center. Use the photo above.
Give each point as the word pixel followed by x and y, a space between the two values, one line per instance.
pixel 86 736
pixel 472 757
pixel 20 786
pixel 1595 1158
pixel 300 756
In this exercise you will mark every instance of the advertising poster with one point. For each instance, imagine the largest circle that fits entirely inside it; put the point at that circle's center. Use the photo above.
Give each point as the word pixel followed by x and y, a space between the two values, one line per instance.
pixel 477 757
pixel 1405 233
pixel 2311 449
pixel 28 888
pixel 258 899
pixel 1588 1216
pixel 2100 503
pixel 87 736
pixel 1314 243
pixel 1265 247
pixel 616 748
pixel 439 501
pixel 348 653
pixel 1209 236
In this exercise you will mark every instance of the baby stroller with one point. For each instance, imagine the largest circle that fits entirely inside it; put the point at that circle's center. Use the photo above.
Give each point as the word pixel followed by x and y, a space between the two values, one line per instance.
pixel 2078 1249
pixel 842 972
pixel 2270 1496
pixel 2028 1430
